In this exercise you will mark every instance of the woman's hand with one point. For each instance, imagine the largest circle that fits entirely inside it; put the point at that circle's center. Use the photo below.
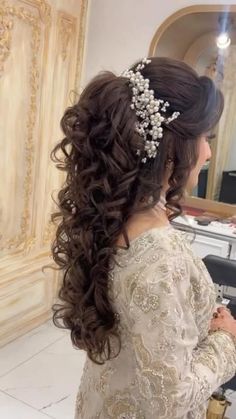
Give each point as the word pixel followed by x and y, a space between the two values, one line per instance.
pixel 223 320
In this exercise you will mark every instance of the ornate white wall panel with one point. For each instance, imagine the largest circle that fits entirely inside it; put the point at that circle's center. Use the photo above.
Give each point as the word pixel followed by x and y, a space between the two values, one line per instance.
pixel 41 50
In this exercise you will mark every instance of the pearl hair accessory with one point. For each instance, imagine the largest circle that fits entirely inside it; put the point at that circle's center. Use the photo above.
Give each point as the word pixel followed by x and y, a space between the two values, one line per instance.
pixel 72 206
pixel 148 109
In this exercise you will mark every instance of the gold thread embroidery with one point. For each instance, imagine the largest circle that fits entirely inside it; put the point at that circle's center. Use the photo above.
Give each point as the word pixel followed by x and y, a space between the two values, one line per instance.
pixel 144 299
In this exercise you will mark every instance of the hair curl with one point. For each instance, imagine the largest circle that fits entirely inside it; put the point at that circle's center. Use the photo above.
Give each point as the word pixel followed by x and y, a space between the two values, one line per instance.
pixel 106 182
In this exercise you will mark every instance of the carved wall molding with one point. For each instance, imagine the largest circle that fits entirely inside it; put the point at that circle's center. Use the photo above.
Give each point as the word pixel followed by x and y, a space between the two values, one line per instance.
pixel 26 300
pixel 81 43
pixel 6 25
pixel 43 9
pixel 23 239
pixel 38 49
pixel 66 28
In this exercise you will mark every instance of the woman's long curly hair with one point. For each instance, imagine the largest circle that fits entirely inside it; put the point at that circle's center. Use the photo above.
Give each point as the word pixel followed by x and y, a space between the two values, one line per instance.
pixel 106 182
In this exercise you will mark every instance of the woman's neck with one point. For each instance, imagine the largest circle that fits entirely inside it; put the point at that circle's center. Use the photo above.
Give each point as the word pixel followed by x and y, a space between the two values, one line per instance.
pixel 144 221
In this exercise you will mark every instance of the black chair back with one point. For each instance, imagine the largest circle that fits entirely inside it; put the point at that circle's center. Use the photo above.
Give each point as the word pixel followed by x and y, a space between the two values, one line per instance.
pixel 222 270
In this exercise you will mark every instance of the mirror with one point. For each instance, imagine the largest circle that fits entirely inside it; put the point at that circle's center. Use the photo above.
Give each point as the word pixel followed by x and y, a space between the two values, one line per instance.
pixel 206 40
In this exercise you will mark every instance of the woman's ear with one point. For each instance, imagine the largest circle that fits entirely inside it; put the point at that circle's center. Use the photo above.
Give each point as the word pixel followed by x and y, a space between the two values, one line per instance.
pixel 170 157
pixel 169 164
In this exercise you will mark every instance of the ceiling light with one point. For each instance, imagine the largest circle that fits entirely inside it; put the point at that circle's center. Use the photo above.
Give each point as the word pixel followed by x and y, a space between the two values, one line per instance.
pixel 223 40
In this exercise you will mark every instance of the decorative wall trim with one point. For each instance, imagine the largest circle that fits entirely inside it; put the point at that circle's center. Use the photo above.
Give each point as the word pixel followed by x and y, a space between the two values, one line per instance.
pixel 6 25
pixel 81 43
pixel 43 8
pixel 66 27
pixel 8 13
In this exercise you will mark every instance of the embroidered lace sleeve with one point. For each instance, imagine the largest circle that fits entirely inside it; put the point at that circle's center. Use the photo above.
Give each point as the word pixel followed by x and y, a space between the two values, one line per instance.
pixel 176 373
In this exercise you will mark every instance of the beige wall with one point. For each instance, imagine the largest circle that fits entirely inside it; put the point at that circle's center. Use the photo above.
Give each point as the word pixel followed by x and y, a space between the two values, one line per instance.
pixel 120 31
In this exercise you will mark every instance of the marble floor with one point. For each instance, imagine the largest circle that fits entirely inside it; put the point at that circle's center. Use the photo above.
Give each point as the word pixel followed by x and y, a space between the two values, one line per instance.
pixel 40 373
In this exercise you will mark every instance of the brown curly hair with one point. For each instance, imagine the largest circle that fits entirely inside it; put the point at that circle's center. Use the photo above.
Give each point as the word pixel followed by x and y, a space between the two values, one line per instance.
pixel 106 182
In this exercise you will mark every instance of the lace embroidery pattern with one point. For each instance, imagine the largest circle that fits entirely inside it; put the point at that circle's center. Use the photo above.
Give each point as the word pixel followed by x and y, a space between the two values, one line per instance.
pixel 154 377
pixel 122 405
pixel 145 300
pixel 207 358
pixel 161 288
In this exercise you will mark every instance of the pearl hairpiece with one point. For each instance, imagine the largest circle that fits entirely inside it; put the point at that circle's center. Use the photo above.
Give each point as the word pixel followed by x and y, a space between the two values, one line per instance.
pixel 72 206
pixel 148 110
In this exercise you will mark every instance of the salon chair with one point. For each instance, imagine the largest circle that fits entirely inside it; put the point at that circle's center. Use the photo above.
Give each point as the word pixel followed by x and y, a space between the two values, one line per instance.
pixel 223 272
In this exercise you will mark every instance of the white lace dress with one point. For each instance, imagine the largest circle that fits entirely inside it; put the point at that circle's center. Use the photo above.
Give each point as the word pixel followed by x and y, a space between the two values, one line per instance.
pixel 168 365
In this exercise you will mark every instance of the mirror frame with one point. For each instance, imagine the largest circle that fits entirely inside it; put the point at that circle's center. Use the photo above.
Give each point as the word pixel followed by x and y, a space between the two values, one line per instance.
pixel 208 205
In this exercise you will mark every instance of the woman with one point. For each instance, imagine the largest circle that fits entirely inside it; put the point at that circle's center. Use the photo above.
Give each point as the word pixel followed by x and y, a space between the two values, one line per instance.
pixel 134 295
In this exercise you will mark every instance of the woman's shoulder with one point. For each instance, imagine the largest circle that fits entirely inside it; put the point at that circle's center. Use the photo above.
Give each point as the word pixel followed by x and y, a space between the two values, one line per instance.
pixel 155 244
pixel 158 257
